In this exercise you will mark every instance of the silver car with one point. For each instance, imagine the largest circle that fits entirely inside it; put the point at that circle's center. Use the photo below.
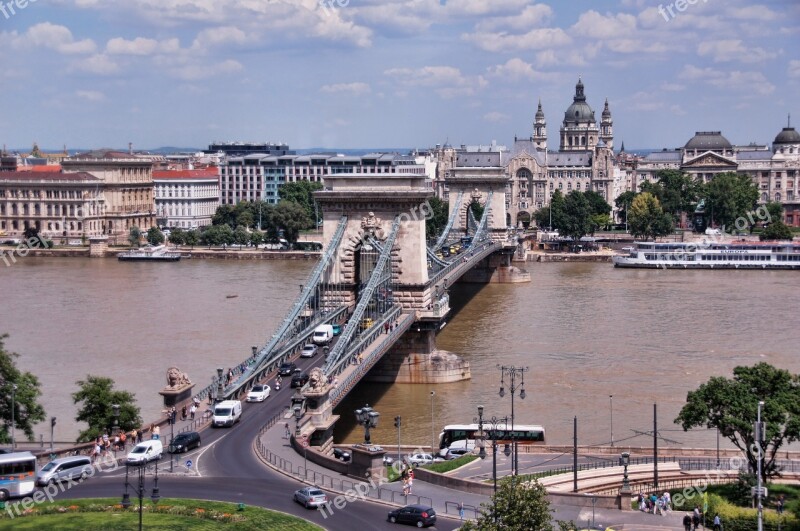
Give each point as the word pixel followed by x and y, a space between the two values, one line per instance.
pixel 310 497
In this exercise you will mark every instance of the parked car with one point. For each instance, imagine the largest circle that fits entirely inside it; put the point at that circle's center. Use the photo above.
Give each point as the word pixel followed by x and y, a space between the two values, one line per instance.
pixel 145 452
pixel 343 455
pixel 420 459
pixel 309 351
pixel 418 515
pixel 299 380
pixel 183 442
pixel 310 497
pixel 258 393
pixel 287 369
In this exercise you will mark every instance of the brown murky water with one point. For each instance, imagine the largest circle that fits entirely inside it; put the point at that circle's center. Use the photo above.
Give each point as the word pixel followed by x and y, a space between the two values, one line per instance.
pixel 586 331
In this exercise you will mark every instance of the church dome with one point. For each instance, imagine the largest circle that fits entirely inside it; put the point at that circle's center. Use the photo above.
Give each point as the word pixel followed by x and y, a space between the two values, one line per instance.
pixel 708 141
pixel 579 111
pixel 787 136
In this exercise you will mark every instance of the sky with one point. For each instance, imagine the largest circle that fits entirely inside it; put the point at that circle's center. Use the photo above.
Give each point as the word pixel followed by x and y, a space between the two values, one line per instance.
pixel 390 73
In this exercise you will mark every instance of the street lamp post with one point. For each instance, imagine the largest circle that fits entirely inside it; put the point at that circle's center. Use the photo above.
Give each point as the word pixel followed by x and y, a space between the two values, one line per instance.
pixel 397 421
pixel 115 426
pixel 759 437
pixel 13 418
pixel 52 427
pixel 611 407
pixel 140 490
pixel 298 414
pixel 433 439
pixel 625 460
pixel 220 387
pixel 493 423
pixel 367 417
pixel 512 373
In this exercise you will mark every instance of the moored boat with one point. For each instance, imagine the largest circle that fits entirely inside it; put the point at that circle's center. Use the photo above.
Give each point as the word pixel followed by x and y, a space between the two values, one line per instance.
pixel 711 255
pixel 151 253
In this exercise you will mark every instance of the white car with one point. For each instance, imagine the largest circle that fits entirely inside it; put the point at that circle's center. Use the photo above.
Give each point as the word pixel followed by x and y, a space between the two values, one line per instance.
pixel 145 452
pixel 420 459
pixel 309 351
pixel 258 393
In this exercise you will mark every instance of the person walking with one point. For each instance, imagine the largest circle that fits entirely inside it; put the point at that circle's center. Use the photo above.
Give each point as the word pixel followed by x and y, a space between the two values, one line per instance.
pixel 717 523
pixel 183 412
pixel 696 519
pixel 687 522
pixel 192 411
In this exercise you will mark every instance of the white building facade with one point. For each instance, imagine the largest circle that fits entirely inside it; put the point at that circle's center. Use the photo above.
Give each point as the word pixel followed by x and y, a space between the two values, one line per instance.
pixel 186 199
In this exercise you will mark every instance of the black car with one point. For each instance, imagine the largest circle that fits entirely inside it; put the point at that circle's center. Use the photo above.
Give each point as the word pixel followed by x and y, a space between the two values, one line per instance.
pixel 343 455
pixel 299 380
pixel 418 515
pixel 287 369
pixel 183 442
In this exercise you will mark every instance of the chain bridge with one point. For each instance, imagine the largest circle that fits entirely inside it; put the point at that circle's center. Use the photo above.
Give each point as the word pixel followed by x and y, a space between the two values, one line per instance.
pixel 385 286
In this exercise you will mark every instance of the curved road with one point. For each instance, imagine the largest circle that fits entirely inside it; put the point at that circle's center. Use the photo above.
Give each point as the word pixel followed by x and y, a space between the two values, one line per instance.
pixel 229 470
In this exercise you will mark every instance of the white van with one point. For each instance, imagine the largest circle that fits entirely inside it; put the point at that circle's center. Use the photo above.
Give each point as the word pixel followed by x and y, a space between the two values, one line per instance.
pixel 227 413
pixel 145 452
pixel 64 469
pixel 323 334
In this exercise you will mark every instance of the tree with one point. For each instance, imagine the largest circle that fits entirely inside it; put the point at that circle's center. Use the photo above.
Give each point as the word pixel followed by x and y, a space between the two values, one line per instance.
pixel 597 202
pixel 192 238
pixel 291 218
pixel 646 219
pixel 177 236
pixel 676 191
pixel 729 196
pixel 244 219
pixel 30 232
pixel 217 235
pixel 774 211
pixel 477 210
pixel 577 221
pixel 96 395
pixel 241 236
pixel 155 236
pixel 777 230
pixel 301 193
pixel 27 410
pixel 134 236
pixel 623 204
pixel 225 215
pixel 730 405
pixel 256 238
pixel 516 507
pixel 543 215
pixel 440 214
pixel 599 221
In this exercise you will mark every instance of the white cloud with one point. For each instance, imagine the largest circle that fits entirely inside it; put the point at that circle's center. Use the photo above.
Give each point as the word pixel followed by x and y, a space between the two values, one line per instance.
pixel 97 64
pixel 677 110
pixel 351 88
pixel 672 87
pixel 482 7
pixel 529 17
pixel 495 117
pixel 514 68
pixel 54 37
pixel 732 50
pixel 141 46
pixel 536 39
pixel 753 12
pixel 594 25
pixel 90 95
pixel 211 37
pixel 730 80
pixel 194 72
pixel 447 81
pixel 794 68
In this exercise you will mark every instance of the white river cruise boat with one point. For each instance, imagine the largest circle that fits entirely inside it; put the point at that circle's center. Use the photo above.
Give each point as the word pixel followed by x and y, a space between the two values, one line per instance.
pixel 711 255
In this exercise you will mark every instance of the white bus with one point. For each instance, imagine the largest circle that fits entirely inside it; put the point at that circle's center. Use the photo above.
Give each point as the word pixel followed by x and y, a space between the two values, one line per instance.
pixel 17 475
pixel 524 434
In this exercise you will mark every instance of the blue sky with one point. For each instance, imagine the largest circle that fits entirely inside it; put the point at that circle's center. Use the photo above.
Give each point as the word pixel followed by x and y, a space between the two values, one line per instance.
pixel 377 73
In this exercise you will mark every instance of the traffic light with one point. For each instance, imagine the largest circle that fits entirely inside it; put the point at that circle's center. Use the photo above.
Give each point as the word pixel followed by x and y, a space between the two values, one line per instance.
pixel 397 421
pixel 52 421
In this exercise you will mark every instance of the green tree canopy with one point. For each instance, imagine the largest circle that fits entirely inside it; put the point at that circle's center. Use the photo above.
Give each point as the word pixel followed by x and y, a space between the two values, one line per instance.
pixel 301 193
pixel 225 215
pixel 623 203
pixel 777 230
pixel 241 236
pixel 516 507
pixel 177 236
pixel 134 235
pixel 96 395
pixel 436 223
pixel 27 410
pixel 289 217
pixel 217 235
pixel 577 219
pixel 729 196
pixel 192 238
pixel 256 238
pixel 774 211
pixel 675 190
pixel 543 217
pixel 730 405
pixel 597 202
pixel 155 236
pixel 647 219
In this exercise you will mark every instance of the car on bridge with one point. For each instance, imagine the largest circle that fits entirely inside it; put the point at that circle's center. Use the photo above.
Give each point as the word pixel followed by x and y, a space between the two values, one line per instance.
pixel 258 393
pixel 287 369
pixel 299 380
pixel 183 442
pixel 310 497
pixel 418 515
pixel 309 351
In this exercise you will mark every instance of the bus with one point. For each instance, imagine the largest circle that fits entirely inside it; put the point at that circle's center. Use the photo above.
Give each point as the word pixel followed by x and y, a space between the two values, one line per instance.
pixel 524 434
pixel 17 475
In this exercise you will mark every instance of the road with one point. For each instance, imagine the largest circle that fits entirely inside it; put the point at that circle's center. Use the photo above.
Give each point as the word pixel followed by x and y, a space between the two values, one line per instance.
pixel 227 469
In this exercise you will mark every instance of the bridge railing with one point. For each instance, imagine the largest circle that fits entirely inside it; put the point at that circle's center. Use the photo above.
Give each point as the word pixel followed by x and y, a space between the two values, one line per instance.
pixel 477 253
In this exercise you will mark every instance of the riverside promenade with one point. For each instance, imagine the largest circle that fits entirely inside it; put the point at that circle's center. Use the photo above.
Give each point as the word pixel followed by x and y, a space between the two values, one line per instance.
pixel 275 451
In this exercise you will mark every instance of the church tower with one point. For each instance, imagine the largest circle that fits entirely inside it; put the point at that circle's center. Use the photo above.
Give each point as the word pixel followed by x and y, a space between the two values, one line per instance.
pixel 607 127
pixel 579 130
pixel 540 129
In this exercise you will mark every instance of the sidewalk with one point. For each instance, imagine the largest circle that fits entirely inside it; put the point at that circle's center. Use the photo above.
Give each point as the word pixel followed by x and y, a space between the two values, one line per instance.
pixel 281 457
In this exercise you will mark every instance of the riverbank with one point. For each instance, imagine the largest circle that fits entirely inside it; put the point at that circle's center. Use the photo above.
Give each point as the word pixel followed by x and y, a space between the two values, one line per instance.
pixel 186 253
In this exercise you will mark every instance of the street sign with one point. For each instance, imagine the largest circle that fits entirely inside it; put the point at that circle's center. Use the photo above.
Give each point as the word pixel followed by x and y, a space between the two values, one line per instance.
pixel 754 492
pixel 305 443
pixel 188 463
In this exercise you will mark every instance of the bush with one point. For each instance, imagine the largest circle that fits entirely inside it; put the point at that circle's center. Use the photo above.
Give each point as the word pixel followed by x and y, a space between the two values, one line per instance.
pixel 742 519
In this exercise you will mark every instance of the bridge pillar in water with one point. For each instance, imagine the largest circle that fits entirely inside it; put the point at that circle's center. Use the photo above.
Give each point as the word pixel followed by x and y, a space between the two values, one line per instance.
pixel 415 359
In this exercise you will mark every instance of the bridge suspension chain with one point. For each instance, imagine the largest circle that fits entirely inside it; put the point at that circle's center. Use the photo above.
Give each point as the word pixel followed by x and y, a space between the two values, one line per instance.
pixel 453 215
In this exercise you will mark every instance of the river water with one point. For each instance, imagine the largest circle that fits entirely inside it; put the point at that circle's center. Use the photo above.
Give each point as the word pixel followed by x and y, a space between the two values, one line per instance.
pixel 586 331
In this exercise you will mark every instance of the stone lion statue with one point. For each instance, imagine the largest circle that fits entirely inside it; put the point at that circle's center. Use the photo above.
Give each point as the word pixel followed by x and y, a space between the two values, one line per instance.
pixel 177 378
pixel 316 380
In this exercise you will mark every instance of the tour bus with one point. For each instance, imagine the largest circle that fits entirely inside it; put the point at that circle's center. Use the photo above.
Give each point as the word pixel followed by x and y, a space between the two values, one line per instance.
pixel 17 475
pixel 523 434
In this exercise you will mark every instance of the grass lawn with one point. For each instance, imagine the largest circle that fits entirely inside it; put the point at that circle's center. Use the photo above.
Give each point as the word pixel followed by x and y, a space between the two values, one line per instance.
pixel 170 513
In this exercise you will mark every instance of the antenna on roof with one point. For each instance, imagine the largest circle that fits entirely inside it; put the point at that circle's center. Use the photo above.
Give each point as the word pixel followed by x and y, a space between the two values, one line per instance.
pixel 789 120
